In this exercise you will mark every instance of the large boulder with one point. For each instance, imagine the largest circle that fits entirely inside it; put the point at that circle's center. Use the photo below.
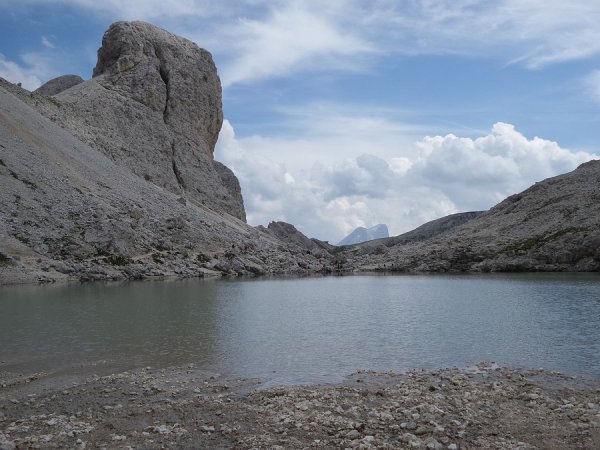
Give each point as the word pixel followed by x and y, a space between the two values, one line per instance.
pixel 154 105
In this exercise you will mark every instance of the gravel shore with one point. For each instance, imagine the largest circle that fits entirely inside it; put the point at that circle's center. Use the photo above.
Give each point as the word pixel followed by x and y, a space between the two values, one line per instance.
pixel 482 407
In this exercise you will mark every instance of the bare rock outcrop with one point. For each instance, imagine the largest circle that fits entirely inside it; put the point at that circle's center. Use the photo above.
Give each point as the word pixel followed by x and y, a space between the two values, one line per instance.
pixel 58 85
pixel 232 186
pixel 114 177
pixel 288 233
pixel 154 105
pixel 67 211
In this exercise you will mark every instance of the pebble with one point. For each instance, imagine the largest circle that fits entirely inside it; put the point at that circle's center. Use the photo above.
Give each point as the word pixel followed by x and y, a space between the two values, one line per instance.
pixel 352 434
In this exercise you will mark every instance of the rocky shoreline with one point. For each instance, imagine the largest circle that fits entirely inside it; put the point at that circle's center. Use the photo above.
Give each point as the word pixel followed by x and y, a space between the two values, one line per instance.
pixel 184 407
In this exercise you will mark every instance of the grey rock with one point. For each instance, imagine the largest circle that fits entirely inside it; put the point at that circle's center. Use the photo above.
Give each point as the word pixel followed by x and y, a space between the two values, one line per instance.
pixel 340 416
pixel 232 186
pixel 352 434
pixel 5 443
pixel 154 106
pixel 289 233
pixel 115 178
pixel 58 85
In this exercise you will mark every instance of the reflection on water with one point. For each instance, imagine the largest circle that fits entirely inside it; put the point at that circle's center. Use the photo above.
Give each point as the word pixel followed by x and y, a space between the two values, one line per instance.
pixel 307 329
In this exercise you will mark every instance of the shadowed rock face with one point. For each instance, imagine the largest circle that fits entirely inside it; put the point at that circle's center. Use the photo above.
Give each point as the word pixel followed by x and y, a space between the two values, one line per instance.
pixel 58 85
pixel 232 185
pixel 154 105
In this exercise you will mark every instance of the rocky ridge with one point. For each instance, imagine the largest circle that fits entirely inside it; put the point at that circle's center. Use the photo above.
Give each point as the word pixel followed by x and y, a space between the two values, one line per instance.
pixel 58 85
pixel 552 226
pixel 287 232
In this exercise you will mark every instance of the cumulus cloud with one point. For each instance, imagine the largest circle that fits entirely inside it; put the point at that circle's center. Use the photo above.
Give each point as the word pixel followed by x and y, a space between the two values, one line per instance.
pixel 28 75
pixel 475 173
pixel 441 175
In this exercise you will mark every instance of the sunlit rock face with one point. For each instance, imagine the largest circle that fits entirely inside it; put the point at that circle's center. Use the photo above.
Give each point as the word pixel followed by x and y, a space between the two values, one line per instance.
pixel 154 104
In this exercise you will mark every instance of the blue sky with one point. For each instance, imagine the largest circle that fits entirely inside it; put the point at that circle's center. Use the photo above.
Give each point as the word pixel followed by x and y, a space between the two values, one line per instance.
pixel 350 113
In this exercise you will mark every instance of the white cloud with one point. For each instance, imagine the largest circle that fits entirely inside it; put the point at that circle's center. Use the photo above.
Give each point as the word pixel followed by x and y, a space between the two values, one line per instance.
pixel 290 38
pixel 259 39
pixel 46 42
pixel 475 173
pixel 136 9
pixel 534 33
pixel 28 76
pixel 330 133
pixel 437 176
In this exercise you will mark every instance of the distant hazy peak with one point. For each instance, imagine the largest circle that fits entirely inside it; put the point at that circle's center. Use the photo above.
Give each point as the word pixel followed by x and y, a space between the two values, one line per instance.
pixel 362 234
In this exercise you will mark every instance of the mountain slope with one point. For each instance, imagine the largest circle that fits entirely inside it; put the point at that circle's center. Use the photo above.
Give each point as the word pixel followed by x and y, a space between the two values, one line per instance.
pixel 98 184
pixel 552 226
pixel 68 209
pixel 114 178
pixel 425 231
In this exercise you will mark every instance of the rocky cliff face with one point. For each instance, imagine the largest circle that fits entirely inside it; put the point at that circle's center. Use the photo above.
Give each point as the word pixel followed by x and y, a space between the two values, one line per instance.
pixel 154 105
pixel 114 177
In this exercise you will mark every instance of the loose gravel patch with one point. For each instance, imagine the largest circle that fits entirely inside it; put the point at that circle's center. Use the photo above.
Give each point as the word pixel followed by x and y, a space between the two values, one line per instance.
pixel 483 407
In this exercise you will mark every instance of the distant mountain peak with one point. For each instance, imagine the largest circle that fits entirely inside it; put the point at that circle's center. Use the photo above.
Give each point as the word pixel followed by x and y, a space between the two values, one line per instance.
pixel 362 234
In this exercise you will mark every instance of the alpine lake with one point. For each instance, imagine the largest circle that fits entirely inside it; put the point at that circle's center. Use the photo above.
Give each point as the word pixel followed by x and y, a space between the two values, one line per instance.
pixel 305 330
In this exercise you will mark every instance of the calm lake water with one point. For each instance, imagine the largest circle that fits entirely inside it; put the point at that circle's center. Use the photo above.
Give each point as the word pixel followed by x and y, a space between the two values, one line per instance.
pixel 306 329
